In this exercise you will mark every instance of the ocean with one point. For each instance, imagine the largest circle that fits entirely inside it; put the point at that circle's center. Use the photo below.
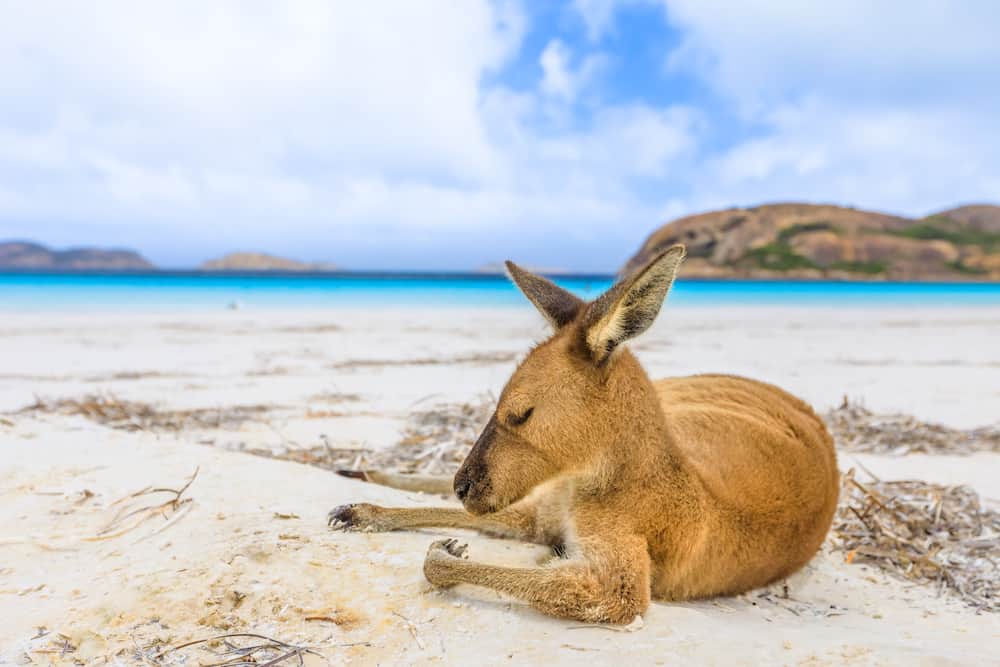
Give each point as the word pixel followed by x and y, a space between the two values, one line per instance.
pixel 31 291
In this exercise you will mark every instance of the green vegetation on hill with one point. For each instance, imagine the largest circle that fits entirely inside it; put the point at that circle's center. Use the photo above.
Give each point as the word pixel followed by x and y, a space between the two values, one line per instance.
pixel 941 228
pixel 970 270
pixel 779 256
pixel 860 267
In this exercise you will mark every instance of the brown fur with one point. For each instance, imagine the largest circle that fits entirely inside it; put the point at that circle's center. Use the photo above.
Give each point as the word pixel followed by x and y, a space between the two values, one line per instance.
pixel 676 489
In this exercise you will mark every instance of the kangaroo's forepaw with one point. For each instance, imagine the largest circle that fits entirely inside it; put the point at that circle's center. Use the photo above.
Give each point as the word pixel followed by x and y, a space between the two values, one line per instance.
pixel 451 546
pixel 440 561
pixel 357 517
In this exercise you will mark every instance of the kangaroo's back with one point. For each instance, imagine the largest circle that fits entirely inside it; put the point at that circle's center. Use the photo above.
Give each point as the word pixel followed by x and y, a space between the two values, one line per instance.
pixel 765 460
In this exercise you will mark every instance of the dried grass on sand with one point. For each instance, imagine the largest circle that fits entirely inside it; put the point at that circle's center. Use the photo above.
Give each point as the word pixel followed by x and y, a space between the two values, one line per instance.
pixel 857 429
pixel 927 533
pixel 116 413
pixel 437 440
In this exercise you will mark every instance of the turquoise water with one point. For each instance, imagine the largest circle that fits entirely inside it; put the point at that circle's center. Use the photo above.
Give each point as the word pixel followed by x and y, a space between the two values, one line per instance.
pixel 181 290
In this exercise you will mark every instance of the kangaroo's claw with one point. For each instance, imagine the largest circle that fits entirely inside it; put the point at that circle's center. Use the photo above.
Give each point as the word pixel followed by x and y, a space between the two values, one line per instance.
pixel 356 517
pixel 354 474
pixel 451 546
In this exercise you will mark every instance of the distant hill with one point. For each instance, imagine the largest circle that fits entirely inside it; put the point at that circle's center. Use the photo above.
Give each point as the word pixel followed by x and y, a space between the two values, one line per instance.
pixel 258 261
pixel 810 241
pixel 27 255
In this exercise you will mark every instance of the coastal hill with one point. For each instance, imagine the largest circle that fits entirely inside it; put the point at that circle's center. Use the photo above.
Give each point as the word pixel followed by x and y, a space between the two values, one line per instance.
pixel 28 255
pixel 810 241
pixel 258 261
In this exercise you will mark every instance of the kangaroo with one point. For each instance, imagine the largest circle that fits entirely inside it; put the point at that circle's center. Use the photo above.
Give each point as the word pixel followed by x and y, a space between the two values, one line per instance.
pixel 677 489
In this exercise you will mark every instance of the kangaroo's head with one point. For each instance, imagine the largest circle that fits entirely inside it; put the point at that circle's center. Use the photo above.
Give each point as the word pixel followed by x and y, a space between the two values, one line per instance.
pixel 569 402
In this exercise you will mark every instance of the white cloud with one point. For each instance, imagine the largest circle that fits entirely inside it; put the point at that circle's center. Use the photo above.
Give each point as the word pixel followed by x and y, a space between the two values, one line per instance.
pixel 556 79
pixel 597 15
pixel 237 123
pixel 897 159
pixel 560 79
pixel 386 88
pixel 310 127
pixel 624 141
pixel 886 105
pixel 913 50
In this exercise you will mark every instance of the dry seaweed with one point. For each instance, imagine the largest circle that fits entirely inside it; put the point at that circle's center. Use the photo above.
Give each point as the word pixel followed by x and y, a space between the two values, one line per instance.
pixel 335 397
pixel 309 328
pixel 437 440
pixel 266 652
pixel 479 358
pixel 434 442
pixel 59 647
pixel 111 411
pixel 857 429
pixel 927 533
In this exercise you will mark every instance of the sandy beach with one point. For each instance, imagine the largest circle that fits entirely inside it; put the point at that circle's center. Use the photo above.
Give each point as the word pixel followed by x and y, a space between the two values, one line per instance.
pixel 248 404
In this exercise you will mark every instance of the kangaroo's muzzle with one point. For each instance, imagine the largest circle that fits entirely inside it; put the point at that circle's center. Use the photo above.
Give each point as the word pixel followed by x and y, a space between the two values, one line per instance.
pixel 472 481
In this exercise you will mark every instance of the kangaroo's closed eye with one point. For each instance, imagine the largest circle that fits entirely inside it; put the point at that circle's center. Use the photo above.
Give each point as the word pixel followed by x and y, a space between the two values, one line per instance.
pixel 517 420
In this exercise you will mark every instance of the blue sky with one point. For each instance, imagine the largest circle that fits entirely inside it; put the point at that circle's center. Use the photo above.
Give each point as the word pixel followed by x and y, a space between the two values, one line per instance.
pixel 446 134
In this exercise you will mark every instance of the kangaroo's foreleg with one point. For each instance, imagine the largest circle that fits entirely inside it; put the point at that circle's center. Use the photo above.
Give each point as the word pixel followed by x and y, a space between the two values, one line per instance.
pixel 440 484
pixel 516 521
pixel 608 585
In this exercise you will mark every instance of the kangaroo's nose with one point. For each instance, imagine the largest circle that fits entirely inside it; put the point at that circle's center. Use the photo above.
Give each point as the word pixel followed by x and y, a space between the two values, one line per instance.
pixel 462 488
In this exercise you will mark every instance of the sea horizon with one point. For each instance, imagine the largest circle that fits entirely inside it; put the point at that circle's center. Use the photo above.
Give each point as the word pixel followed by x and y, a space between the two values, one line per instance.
pixel 46 290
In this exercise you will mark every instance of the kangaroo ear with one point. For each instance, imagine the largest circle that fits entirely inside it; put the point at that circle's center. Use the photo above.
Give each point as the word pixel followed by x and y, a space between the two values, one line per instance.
pixel 630 306
pixel 557 305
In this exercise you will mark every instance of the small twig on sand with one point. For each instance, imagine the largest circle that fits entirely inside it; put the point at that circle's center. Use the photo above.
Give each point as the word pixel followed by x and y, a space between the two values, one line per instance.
pixel 412 628
pixel 118 526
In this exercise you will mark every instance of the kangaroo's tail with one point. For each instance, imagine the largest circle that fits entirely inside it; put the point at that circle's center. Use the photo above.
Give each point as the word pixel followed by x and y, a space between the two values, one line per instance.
pixel 440 484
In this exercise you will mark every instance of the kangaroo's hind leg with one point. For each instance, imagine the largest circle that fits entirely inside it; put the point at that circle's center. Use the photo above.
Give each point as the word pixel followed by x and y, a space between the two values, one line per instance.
pixel 440 484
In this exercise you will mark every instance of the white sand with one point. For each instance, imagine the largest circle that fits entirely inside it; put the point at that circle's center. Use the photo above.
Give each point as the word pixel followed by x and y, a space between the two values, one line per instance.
pixel 112 596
